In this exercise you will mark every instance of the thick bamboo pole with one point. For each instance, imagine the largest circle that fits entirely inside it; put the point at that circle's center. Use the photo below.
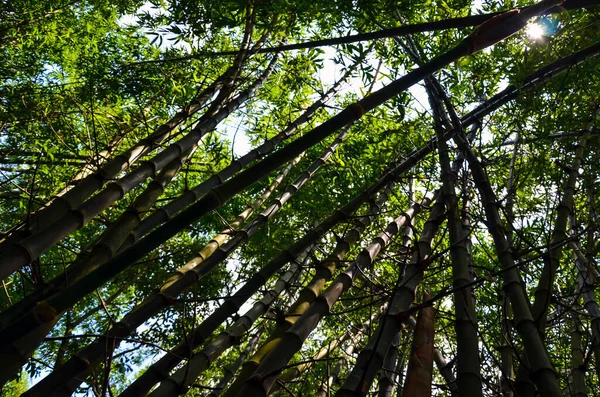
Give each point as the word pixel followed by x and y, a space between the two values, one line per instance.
pixel 371 358
pixel 165 213
pixel 420 366
pixel 178 223
pixel 577 376
pixel 543 290
pixel 387 376
pixel 542 370
pixel 230 371
pixel 14 352
pixel 104 248
pixel 468 371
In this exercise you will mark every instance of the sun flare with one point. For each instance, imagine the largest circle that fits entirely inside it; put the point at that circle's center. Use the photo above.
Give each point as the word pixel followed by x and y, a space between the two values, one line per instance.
pixel 534 31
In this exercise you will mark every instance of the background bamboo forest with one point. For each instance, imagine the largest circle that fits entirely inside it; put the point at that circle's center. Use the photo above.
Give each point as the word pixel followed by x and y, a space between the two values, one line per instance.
pixel 300 198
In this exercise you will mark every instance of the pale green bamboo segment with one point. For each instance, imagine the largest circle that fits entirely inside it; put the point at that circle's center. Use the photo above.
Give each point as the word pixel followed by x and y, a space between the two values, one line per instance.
pixel 324 271
pixel 577 386
pixel 465 324
pixel 14 355
pixel 265 376
pixel 543 290
pixel 230 371
pixel 540 364
pixel 165 213
pixel 326 386
pixel 180 381
pixel 33 246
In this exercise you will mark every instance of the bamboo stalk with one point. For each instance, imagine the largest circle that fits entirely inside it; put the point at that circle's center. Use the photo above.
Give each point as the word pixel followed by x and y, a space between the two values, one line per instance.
pixel 183 378
pixel 468 371
pixel 165 213
pixel 541 367
pixel 323 273
pixel 420 366
pixel 230 371
pixel 265 375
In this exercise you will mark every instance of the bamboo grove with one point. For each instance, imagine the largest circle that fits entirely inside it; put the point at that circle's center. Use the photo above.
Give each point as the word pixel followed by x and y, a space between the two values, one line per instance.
pixel 300 198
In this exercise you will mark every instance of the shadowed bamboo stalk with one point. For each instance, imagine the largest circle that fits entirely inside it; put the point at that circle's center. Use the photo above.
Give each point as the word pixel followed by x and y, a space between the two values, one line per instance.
pixel 387 376
pixel 585 281
pixel 290 374
pixel 14 355
pixel 420 366
pixel 559 233
pixel 542 370
pixel 141 249
pixel 265 375
pixel 165 213
pixel 323 273
pixel 230 371
pixel 577 377
pixel 465 325
pixel 30 248
pixel 180 381
pixel 75 196
pixel 543 290
pixel 188 275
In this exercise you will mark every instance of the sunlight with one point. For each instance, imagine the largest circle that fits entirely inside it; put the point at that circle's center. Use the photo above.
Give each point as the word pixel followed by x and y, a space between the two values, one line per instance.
pixel 535 31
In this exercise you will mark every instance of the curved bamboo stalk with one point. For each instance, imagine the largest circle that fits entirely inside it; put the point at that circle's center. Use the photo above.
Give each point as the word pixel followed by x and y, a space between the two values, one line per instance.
pixel 420 366
pixel 265 375
pixel 184 377
pixel 323 273
pixel 30 248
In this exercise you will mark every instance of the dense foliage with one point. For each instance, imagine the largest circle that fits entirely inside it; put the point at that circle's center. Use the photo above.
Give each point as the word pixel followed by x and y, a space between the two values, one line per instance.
pixel 84 82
